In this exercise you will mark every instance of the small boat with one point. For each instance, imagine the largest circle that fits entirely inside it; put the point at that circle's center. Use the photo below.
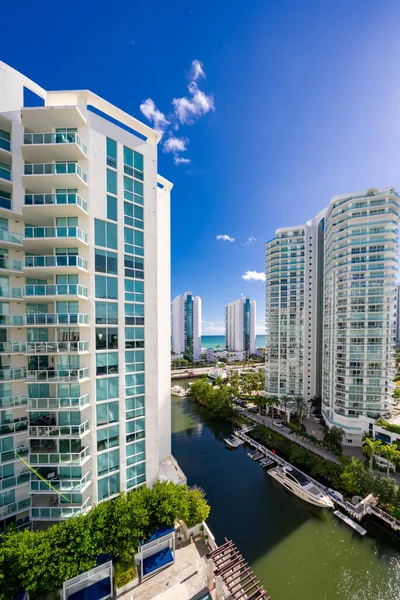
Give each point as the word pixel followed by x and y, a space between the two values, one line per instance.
pixel 266 462
pixel 233 442
pixel 255 455
pixel 301 485
pixel 178 390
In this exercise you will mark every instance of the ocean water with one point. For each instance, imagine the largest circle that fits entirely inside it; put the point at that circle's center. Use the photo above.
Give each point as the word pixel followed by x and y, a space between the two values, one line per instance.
pixel 212 341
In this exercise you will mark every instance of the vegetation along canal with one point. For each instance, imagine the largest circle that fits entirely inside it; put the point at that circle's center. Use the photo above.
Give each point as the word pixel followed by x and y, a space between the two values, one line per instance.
pixel 296 550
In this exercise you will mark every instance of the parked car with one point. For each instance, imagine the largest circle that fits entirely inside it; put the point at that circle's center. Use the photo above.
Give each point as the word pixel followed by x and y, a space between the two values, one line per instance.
pixel 277 424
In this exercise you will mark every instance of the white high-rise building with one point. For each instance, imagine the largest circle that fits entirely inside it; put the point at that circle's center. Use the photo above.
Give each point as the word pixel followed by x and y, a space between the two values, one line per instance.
pixel 186 325
pixel 240 326
pixel 331 309
pixel 398 315
pixel 84 311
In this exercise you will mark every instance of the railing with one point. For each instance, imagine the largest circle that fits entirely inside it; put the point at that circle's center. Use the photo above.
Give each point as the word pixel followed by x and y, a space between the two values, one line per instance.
pixel 75 458
pixel 55 347
pixel 5 144
pixel 58 260
pixel 57 199
pixel 5 174
pixel 59 168
pixel 9 482
pixel 13 347
pixel 13 401
pixel 64 512
pixel 57 375
pixel 56 290
pixel 56 403
pixel 10 264
pixel 5 202
pixel 14 427
pixel 9 236
pixel 12 374
pixel 56 319
pixel 12 454
pixel 62 485
pixel 14 507
pixel 58 431
pixel 41 233
pixel 55 138
pixel 7 292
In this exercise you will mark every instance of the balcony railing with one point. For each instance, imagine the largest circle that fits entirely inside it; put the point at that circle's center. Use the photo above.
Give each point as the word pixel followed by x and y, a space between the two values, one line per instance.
pixel 62 485
pixel 11 320
pixel 58 431
pixel 75 458
pixel 5 144
pixel 10 482
pixel 57 375
pixel 14 507
pixel 14 427
pixel 56 403
pixel 63 512
pixel 54 261
pixel 9 374
pixel 12 347
pixel 8 236
pixel 55 199
pixel 13 401
pixel 5 202
pixel 41 233
pixel 55 138
pixel 56 290
pixel 59 168
pixel 55 347
pixel 12 454
pixel 5 174
pixel 56 319
pixel 7 292
pixel 10 265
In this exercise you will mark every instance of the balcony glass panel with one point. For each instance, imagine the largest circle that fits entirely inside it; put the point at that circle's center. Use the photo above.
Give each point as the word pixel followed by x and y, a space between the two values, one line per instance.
pixel 6 292
pixel 11 320
pixel 62 485
pixel 55 403
pixel 5 200
pixel 56 290
pixel 14 507
pixel 13 347
pixel 9 264
pixel 59 168
pixel 20 479
pixel 60 260
pixel 58 375
pixel 55 347
pixel 56 319
pixel 13 401
pixel 53 430
pixel 55 138
pixel 55 232
pixel 60 513
pixel 5 171
pixel 9 236
pixel 55 458
pixel 12 374
pixel 58 199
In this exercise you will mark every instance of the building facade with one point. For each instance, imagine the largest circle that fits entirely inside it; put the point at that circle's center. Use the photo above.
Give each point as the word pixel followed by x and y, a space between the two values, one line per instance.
pixel 84 297
pixel 186 325
pixel 240 326
pixel 330 309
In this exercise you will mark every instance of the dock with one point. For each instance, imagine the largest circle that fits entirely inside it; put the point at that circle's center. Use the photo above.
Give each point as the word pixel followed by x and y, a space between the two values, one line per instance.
pixel 350 523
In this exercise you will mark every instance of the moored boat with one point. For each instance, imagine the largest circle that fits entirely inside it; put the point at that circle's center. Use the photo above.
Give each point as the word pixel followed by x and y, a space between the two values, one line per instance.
pixel 301 485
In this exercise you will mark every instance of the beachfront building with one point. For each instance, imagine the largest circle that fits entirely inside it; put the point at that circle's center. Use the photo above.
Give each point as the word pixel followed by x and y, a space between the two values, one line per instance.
pixel 186 326
pixel 84 311
pixel 240 326
pixel 294 267
pixel 331 309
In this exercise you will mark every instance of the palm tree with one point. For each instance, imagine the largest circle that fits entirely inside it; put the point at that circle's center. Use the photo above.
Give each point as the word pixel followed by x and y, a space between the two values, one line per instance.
pixel 370 448
pixel 392 455
pixel 271 402
pixel 301 405
pixel 285 401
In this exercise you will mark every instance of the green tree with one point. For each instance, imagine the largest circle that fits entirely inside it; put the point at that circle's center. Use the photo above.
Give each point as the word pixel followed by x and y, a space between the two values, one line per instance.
pixel 301 407
pixel 370 448
pixel 198 509
pixel 333 439
pixel 271 402
pixel 391 454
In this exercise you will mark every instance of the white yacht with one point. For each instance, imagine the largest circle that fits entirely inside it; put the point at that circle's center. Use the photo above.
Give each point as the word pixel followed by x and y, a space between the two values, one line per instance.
pixel 301 486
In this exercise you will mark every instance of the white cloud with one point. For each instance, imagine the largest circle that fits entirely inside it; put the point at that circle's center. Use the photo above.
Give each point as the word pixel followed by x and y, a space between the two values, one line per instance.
pixel 179 160
pixel 250 240
pixel 155 116
pixel 253 276
pixel 175 144
pixel 225 238
pixel 188 109
pixel 197 70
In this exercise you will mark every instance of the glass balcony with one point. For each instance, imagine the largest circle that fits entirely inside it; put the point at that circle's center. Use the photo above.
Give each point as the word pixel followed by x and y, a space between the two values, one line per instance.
pixel 73 458
pixel 56 290
pixel 40 177
pixel 13 401
pixel 12 347
pixel 40 139
pixel 55 261
pixel 73 431
pixel 15 480
pixel 5 201
pixel 57 375
pixel 8 264
pixel 58 403
pixel 10 238
pixel 60 204
pixel 9 374
pixel 5 172
pixel 55 319
pixel 57 236
pixel 13 427
pixel 5 144
pixel 10 293
pixel 14 508
pixel 62 485
pixel 56 347
pixel 11 321
pixel 62 512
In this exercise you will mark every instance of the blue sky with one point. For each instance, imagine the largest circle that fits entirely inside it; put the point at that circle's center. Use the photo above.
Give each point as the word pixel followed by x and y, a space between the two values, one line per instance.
pixel 300 101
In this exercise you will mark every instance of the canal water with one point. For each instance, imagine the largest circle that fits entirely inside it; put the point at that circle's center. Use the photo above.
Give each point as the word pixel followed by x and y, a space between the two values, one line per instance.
pixel 296 550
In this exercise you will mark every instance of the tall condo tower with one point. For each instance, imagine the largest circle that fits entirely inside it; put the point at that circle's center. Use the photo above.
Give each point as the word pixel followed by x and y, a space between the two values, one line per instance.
pixel 240 326
pixel 186 325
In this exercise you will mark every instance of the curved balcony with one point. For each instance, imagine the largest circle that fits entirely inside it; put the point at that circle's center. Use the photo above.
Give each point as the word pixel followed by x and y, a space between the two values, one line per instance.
pixel 55 319
pixel 61 204
pixel 14 508
pixel 5 146
pixel 53 146
pixel 5 201
pixel 5 176
pixel 10 293
pixel 57 376
pixel 56 290
pixel 12 347
pixel 45 404
pixel 55 458
pixel 62 485
pixel 63 512
pixel 57 347
pixel 39 238
pixel 40 177
pixel 14 480
pixel 9 239
pixel 66 431
pixel 9 374
pixel 8 265
pixel 40 265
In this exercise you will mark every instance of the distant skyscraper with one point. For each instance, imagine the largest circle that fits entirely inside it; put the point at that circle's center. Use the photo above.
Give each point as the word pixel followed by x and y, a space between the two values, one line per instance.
pixel 186 325
pixel 240 326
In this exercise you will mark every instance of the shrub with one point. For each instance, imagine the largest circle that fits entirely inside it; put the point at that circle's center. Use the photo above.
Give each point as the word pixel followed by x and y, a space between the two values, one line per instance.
pixel 124 573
